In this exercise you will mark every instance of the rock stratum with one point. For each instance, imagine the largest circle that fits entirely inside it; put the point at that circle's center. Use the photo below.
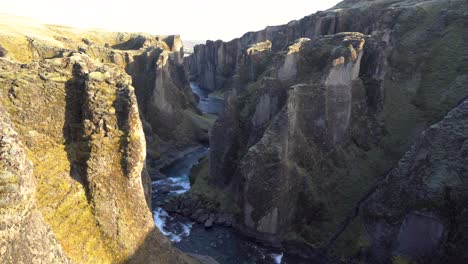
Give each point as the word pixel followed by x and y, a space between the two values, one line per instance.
pixel 318 114
pixel 73 111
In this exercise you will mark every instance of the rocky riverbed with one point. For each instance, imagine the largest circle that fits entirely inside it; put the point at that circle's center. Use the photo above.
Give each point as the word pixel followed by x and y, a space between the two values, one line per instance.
pixel 204 232
pixel 193 223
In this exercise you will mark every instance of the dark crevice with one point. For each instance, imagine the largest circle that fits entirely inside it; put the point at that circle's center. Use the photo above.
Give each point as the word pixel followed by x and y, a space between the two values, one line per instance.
pixel 77 147
pixel 122 108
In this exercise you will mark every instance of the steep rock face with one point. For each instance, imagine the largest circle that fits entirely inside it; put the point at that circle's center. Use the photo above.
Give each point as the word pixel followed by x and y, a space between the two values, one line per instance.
pixel 223 157
pixel 267 195
pixel 409 27
pixel 249 108
pixel 169 107
pixel 265 139
pixel 418 212
pixel 352 105
pixel 212 65
pixel 78 117
pixel 111 133
pixel 81 126
pixel 170 117
pixel 24 235
pixel 316 124
pixel 154 62
pixel 177 47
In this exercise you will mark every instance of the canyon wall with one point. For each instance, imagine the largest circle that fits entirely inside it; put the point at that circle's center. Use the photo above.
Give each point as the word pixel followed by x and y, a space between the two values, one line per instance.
pixel 25 237
pixel 418 210
pixel 76 189
pixel 314 117
pixel 170 117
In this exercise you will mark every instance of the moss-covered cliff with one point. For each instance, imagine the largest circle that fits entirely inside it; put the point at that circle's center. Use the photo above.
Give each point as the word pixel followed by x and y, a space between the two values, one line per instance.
pixel 25 236
pixel 418 211
pixel 73 106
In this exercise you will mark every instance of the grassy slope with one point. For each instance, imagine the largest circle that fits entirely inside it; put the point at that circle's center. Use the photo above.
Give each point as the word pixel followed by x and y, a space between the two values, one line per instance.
pixel 38 113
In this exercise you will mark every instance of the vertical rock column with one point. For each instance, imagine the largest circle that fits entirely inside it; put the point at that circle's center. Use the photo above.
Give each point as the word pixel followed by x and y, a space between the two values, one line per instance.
pixel 116 152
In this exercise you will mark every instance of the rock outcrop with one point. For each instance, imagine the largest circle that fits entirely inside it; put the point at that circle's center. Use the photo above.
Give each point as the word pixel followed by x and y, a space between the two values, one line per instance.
pixel 419 212
pixel 314 118
pixel 155 64
pixel 321 115
pixel 72 104
pixel 170 117
pixel 24 235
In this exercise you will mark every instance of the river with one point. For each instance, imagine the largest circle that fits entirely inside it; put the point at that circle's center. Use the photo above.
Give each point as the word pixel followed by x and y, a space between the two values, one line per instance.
pixel 223 244
pixel 207 104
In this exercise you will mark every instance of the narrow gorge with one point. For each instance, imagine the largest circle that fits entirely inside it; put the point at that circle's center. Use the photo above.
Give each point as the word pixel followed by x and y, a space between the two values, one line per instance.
pixel 341 137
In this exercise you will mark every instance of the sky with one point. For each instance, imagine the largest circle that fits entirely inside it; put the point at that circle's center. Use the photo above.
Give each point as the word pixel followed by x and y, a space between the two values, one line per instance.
pixel 192 19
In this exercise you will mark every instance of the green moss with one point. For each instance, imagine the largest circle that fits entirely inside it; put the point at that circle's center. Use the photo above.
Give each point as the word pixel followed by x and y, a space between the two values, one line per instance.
pixel 36 106
pixel 17 48
pixel 292 236
pixel 328 201
pixel 218 94
pixel 426 63
pixel 248 99
pixel 202 186
pixel 204 122
pixel 37 98
pixel 98 76
pixel 65 207
pixel 353 240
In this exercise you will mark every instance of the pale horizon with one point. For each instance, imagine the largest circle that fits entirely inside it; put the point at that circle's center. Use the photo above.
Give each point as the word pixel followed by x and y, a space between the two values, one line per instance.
pixel 193 20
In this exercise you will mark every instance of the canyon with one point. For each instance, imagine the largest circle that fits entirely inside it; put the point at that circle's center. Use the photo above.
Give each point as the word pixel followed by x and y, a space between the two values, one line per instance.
pixel 318 114
pixel 341 137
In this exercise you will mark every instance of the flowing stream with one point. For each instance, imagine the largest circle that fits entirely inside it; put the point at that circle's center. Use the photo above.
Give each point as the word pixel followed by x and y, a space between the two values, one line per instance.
pixel 223 244
pixel 207 104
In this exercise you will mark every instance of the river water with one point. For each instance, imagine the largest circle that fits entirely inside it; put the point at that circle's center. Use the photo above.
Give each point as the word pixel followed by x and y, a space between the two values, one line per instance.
pixel 221 243
pixel 207 104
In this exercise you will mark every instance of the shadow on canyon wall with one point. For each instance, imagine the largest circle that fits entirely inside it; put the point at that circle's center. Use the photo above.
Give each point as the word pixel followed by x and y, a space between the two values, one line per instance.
pixel 78 150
